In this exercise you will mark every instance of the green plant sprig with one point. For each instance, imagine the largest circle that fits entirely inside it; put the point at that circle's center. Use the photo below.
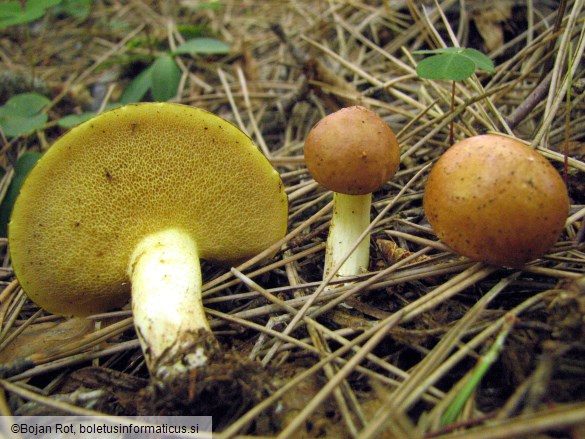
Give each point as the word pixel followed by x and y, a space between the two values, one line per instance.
pixel 162 77
pixel 13 13
pixel 473 379
pixel 452 64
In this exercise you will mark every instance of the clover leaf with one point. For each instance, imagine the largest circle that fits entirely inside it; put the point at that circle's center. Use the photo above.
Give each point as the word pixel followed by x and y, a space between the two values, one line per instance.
pixel 452 63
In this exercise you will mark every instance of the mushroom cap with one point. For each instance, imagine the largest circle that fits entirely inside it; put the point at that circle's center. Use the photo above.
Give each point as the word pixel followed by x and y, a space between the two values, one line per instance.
pixel 125 174
pixel 495 200
pixel 352 151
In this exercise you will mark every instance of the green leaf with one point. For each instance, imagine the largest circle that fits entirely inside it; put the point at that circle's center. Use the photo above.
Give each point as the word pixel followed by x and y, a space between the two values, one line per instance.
pixel 203 46
pixel 16 126
pixel 190 31
pixel 15 8
pixel 138 88
pixel 26 104
pixel 44 4
pixel 21 18
pixel 212 5
pixel 75 119
pixel 10 9
pixel 166 76
pixel 481 61
pixel 452 63
pixel 12 13
pixel 77 8
pixel 22 114
pixel 25 163
pixel 453 67
pixel 439 51
pixel 471 381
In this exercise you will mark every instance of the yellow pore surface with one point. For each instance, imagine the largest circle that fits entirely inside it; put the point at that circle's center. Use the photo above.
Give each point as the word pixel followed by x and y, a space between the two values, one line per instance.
pixel 130 172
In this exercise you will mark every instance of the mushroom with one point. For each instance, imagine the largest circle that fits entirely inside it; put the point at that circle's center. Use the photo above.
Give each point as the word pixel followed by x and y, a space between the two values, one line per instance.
pixel 352 152
pixel 128 202
pixel 495 200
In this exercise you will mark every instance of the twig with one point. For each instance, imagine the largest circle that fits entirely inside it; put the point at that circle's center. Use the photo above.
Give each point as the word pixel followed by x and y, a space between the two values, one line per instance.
pixel 532 100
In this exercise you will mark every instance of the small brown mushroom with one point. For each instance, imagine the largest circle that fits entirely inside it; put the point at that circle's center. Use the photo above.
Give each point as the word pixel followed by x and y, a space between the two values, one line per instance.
pixel 493 199
pixel 352 152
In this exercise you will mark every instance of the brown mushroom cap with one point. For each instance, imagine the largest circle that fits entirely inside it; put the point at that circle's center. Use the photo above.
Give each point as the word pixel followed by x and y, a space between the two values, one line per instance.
pixel 493 199
pixel 130 172
pixel 352 151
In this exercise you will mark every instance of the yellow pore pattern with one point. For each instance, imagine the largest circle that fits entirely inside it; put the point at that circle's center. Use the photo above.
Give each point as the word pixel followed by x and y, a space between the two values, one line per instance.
pixel 128 173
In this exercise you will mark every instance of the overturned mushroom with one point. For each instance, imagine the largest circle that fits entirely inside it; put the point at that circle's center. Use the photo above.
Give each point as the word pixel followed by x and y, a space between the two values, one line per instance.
pixel 127 203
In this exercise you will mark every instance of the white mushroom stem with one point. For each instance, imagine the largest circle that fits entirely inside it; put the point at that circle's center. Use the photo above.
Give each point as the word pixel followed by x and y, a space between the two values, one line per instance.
pixel 166 302
pixel 351 216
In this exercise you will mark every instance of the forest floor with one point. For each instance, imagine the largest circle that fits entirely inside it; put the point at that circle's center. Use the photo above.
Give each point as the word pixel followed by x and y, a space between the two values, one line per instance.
pixel 426 343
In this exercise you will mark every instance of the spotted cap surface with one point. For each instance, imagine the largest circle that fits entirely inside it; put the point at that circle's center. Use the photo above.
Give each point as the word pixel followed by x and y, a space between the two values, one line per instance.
pixel 352 151
pixel 495 200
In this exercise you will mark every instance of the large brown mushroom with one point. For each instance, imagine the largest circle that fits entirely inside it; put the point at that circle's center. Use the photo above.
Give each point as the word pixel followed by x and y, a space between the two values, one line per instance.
pixel 352 152
pixel 127 203
pixel 493 199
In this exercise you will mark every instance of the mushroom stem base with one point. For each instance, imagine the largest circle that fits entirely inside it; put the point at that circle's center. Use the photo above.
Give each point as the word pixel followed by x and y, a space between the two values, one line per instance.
pixel 351 216
pixel 166 302
pixel 228 386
